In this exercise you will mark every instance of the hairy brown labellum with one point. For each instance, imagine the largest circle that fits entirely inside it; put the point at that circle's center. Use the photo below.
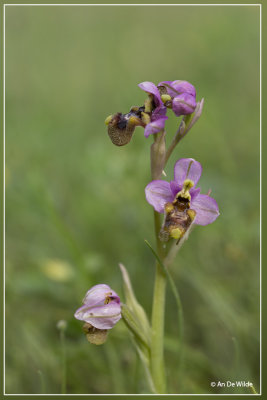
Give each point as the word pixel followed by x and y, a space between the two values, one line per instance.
pixel 119 130
pixel 178 218
pixel 121 126
pixel 94 335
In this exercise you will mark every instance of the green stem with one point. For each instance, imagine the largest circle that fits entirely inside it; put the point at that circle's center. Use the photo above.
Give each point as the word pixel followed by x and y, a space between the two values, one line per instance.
pixel 157 357
pixel 178 303
pixel 158 313
pixel 64 365
pixel 42 381
pixel 158 160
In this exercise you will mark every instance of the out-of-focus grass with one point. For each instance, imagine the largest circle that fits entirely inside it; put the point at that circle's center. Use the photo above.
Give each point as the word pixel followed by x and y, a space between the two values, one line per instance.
pixel 75 203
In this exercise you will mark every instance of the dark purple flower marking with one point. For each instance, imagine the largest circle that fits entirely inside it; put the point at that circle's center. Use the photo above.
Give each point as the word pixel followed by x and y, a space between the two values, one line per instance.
pixel 101 307
pixel 159 193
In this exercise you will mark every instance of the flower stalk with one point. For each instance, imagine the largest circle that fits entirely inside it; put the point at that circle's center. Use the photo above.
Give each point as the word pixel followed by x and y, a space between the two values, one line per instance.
pixel 158 315
pixel 158 306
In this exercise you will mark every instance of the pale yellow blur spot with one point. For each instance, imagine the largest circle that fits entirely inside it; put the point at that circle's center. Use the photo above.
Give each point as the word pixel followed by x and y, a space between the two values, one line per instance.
pixel 57 270
pixel 62 325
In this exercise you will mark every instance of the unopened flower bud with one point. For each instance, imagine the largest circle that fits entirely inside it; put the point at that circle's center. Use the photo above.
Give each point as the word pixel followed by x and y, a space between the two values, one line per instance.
pixel 183 104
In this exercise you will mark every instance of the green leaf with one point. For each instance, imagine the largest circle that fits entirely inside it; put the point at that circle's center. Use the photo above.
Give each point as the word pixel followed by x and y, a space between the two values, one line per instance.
pixel 133 325
pixel 136 309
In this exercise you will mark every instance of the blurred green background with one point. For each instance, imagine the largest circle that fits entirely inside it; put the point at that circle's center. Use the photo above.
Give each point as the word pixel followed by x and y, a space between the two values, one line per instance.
pixel 75 203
